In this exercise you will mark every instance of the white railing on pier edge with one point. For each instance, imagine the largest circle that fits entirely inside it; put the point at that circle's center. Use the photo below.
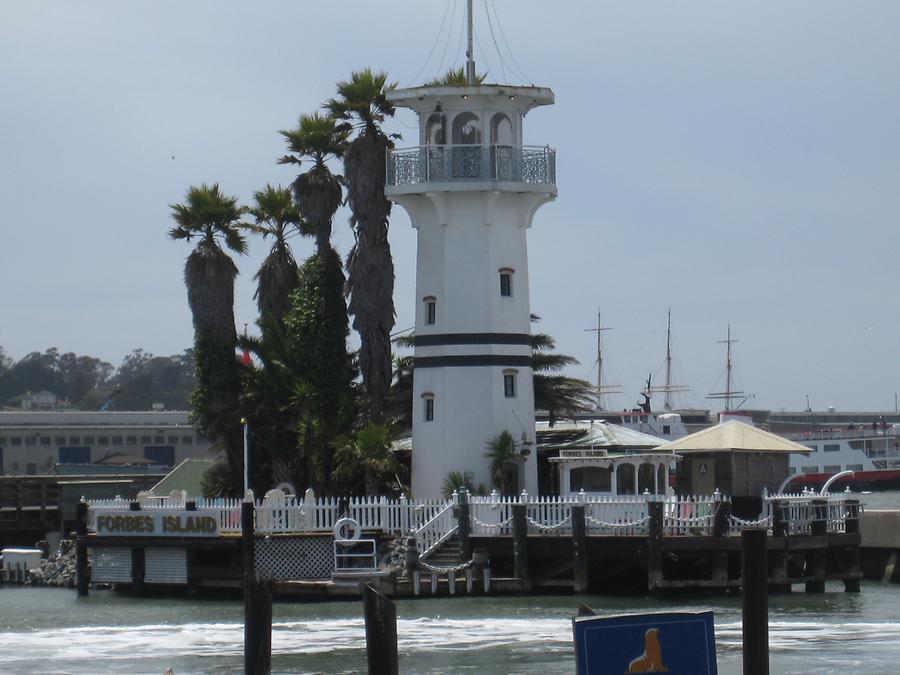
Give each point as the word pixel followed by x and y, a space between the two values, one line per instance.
pixel 798 513
pixel 691 515
pixel 621 515
pixel 437 529
pixel 432 521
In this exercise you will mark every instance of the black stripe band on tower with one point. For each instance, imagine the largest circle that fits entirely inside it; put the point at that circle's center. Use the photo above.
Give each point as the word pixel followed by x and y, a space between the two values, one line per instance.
pixel 472 360
pixel 473 339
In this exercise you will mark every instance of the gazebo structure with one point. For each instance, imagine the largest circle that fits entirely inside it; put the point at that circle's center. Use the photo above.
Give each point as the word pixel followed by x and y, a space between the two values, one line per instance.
pixel 736 458
pixel 605 459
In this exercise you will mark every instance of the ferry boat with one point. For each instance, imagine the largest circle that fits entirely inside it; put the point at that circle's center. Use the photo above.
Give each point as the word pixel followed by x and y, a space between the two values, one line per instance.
pixel 871 451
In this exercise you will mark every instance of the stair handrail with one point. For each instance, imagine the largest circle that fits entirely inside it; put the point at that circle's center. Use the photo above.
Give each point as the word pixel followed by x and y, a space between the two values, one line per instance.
pixel 435 531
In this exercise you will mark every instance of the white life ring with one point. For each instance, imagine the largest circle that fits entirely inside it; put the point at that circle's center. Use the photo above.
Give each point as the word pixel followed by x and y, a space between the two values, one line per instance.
pixel 347 529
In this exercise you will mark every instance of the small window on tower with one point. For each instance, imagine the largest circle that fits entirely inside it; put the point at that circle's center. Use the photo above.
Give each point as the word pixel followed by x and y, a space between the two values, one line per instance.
pixel 428 406
pixel 509 384
pixel 506 276
pixel 430 310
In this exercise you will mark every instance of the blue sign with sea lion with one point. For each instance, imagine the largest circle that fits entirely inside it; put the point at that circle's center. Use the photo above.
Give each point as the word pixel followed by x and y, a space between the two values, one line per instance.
pixel 680 643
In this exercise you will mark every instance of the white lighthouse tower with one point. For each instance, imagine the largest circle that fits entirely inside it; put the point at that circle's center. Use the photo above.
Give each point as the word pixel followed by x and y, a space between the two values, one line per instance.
pixel 471 188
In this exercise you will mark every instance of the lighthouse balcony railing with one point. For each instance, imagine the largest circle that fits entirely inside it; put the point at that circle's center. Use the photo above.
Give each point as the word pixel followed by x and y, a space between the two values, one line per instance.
pixel 471 163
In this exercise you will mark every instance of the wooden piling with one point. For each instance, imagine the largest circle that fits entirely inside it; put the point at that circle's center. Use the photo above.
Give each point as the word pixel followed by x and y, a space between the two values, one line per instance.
pixel 520 545
pixel 579 548
pixel 257 603
pixel 81 557
pixel 755 601
pixel 138 567
pixel 851 556
pixel 721 528
pixel 381 632
pixel 654 546
pixel 779 556
pixel 463 527
pixel 816 558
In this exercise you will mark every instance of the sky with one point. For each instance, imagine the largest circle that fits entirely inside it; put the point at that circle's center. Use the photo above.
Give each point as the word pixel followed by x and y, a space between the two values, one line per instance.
pixel 735 162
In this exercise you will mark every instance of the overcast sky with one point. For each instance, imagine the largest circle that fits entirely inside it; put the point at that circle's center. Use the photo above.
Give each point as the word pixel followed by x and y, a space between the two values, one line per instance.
pixel 735 163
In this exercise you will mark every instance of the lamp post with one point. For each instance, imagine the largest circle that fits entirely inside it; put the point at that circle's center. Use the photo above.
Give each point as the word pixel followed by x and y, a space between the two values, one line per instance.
pixel 246 454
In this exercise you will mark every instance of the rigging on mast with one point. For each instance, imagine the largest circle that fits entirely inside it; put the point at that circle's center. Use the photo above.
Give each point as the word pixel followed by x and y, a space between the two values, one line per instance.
pixel 602 389
pixel 668 388
pixel 728 395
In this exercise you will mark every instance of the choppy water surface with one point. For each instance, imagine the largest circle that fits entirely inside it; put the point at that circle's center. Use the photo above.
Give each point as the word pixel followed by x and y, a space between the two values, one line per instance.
pixel 54 631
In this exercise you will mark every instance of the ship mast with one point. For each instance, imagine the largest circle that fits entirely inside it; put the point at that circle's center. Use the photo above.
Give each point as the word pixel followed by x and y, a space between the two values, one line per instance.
pixel 602 388
pixel 728 394
pixel 668 387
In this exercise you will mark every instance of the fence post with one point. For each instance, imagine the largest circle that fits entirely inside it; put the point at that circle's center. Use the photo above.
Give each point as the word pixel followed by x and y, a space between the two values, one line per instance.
pixel 654 546
pixel 579 548
pixel 81 557
pixel 780 555
pixel 520 545
pixel 257 602
pixel 816 558
pixel 381 632
pixel 851 526
pixel 463 530
pixel 721 528
pixel 755 601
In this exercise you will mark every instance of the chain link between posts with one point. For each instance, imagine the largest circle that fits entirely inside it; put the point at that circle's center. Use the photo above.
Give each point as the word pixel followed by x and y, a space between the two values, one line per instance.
pixel 447 570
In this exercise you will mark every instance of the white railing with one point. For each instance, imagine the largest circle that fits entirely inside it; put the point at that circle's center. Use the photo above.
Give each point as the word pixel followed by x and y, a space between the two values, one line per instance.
pixel 432 521
pixel 437 530
pixel 623 515
pixel 690 515
pixel 454 163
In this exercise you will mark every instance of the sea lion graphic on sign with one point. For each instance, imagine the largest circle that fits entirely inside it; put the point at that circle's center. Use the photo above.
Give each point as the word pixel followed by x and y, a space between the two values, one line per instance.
pixel 651 661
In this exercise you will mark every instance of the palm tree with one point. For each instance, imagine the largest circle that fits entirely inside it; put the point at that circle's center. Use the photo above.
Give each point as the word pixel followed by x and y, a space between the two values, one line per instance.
pixel 501 450
pixel 275 214
pixel 454 77
pixel 276 396
pixel 317 191
pixel 209 275
pixel 361 100
pixel 368 451
pixel 556 393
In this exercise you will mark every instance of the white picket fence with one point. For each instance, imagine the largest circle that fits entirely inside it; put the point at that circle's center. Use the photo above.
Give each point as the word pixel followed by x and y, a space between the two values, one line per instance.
pixel 432 521
pixel 799 512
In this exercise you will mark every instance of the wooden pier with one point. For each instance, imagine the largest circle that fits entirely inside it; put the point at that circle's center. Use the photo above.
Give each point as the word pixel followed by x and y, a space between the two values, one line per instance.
pixel 634 544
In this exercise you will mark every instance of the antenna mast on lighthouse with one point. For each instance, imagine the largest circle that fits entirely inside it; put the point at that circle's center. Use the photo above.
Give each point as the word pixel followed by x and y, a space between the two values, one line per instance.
pixel 470 51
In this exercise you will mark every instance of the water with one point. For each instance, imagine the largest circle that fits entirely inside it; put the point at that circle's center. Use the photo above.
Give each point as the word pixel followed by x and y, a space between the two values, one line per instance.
pixel 46 630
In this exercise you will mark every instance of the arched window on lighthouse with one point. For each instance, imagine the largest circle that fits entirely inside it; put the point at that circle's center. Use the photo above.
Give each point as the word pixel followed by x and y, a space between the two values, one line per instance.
pixel 467 132
pixel 436 129
pixel 501 147
pixel 435 139
pixel 428 406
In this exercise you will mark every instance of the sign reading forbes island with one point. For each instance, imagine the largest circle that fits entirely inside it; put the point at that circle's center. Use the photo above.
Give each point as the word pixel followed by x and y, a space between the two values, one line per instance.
pixel 170 524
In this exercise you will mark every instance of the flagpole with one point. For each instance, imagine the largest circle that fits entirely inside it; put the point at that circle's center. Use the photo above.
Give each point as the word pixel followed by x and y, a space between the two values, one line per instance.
pixel 246 454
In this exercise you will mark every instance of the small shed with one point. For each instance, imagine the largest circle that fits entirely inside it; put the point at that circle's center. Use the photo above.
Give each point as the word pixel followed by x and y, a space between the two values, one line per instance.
pixel 736 458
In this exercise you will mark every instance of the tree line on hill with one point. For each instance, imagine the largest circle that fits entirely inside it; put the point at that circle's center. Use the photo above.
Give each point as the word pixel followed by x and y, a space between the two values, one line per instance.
pixel 88 383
